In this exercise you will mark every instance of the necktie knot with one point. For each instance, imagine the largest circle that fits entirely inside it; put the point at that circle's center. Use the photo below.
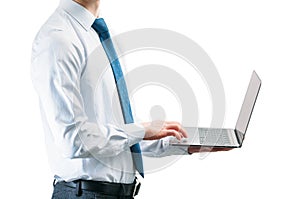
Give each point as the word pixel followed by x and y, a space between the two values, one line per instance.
pixel 100 26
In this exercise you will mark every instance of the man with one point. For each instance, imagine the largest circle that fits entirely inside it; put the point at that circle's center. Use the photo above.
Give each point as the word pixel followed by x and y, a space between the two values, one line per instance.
pixel 90 151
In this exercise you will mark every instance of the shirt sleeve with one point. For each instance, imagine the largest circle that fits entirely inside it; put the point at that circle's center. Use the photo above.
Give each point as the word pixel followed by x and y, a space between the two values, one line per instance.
pixel 162 148
pixel 57 64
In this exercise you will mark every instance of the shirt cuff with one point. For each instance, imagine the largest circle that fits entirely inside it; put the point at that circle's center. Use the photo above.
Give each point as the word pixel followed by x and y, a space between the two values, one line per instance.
pixel 135 133
pixel 174 150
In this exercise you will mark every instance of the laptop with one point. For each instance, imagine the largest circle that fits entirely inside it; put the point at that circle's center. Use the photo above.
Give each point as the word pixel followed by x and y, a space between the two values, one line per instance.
pixel 225 138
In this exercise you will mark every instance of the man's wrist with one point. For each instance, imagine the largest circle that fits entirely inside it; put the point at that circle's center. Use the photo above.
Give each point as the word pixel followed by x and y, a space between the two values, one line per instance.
pixel 135 133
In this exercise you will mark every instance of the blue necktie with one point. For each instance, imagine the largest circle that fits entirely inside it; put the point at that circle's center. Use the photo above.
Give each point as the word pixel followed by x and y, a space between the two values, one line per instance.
pixel 100 27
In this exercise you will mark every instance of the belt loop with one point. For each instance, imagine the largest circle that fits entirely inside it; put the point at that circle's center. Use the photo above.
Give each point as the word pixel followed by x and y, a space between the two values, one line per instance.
pixel 136 187
pixel 78 188
pixel 54 182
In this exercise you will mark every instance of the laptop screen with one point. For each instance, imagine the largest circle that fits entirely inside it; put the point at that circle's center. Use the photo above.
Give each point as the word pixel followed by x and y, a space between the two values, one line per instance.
pixel 248 104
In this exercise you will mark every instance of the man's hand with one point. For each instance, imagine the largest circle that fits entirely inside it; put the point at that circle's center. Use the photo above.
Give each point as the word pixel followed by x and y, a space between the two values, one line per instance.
pixel 160 129
pixel 199 149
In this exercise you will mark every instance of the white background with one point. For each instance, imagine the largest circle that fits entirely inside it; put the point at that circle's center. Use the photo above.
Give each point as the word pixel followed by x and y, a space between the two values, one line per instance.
pixel 239 36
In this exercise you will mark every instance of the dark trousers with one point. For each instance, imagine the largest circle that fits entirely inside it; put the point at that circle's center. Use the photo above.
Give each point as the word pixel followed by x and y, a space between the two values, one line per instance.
pixel 63 192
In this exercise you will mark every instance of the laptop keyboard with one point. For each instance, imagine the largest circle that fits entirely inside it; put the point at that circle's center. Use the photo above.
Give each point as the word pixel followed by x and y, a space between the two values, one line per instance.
pixel 214 137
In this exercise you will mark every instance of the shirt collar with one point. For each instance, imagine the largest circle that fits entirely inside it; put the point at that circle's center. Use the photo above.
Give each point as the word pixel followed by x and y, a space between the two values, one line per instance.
pixel 84 17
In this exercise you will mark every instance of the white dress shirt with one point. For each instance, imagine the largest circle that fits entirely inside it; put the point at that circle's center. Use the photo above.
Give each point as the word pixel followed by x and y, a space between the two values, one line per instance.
pixel 85 137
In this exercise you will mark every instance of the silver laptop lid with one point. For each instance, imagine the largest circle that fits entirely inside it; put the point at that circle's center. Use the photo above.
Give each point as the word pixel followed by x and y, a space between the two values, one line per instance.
pixel 248 104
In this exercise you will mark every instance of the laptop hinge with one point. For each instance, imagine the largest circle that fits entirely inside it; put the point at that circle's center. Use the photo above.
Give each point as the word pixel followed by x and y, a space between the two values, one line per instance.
pixel 240 137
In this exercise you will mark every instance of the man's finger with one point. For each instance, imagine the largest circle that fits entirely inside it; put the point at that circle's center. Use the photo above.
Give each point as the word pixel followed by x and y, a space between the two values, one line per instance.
pixel 177 126
pixel 183 132
pixel 171 132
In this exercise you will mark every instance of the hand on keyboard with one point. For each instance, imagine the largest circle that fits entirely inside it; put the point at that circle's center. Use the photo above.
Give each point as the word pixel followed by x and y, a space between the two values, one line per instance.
pixel 159 129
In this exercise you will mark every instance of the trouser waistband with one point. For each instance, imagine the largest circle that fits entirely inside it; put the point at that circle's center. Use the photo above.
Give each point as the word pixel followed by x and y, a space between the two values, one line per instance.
pixel 107 188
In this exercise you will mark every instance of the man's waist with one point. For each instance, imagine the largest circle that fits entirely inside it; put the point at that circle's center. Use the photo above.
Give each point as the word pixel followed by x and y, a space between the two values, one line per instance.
pixel 120 189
